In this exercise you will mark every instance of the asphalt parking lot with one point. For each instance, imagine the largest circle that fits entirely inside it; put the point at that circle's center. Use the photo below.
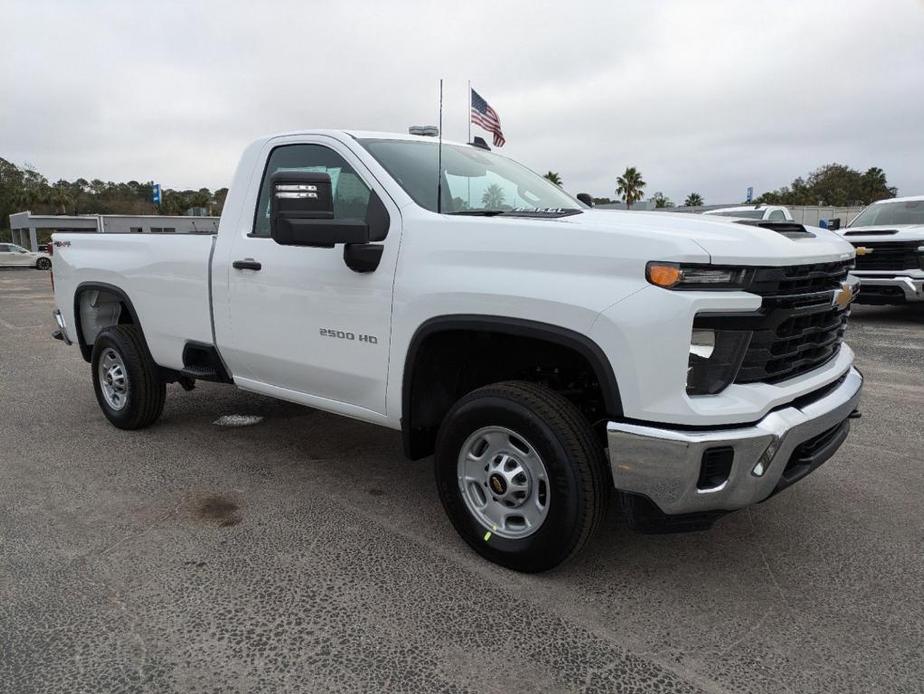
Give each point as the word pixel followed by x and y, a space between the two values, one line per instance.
pixel 305 553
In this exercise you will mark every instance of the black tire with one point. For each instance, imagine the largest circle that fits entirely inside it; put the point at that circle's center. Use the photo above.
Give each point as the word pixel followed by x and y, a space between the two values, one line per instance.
pixel 43 264
pixel 579 482
pixel 144 401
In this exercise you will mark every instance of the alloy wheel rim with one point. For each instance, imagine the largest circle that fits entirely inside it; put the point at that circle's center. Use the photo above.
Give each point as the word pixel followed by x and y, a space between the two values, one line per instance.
pixel 113 379
pixel 503 482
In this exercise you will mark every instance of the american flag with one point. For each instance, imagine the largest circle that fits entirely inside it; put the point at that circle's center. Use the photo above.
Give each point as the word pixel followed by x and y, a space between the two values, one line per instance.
pixel 486 117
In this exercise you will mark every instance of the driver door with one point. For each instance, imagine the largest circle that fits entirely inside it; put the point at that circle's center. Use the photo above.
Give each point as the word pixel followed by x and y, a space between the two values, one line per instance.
pixel 304 326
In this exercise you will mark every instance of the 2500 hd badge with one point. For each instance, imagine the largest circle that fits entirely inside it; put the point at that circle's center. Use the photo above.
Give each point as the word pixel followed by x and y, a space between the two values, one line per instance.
pixel 347 335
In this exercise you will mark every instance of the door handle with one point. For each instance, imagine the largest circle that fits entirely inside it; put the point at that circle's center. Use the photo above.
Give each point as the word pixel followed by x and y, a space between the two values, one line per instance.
pixel 246 264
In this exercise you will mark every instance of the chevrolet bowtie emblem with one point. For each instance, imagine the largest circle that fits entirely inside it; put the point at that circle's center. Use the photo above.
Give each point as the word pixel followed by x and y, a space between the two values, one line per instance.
pixel 843 296
pixel 863 250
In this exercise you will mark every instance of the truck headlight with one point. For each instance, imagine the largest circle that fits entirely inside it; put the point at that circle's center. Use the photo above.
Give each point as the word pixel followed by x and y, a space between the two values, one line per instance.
pixel 715 358
pixel 685 276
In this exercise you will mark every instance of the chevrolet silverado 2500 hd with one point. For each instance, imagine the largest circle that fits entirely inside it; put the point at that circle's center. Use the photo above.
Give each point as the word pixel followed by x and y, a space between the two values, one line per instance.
pixel 889 240
pixel 545 353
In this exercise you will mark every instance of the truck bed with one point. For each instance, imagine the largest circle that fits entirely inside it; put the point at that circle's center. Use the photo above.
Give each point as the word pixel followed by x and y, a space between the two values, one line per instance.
pixel 165 277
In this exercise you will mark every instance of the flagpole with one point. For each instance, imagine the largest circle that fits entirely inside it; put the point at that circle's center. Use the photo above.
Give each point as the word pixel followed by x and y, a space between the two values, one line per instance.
pixel 439 173
pixel 468 116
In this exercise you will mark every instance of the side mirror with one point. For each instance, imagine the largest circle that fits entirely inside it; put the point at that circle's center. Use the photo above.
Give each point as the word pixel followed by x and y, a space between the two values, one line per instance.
pixel 586 199
pixel 834 224
pixel 302 212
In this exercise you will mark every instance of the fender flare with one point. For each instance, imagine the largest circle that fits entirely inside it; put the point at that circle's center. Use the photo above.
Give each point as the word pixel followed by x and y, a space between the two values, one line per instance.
pixel 85 349
pixel 580 343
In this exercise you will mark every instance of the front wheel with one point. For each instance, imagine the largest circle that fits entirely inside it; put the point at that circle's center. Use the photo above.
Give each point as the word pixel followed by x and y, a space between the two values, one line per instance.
pixel 125 379
pixel 43 264
pixel 520 475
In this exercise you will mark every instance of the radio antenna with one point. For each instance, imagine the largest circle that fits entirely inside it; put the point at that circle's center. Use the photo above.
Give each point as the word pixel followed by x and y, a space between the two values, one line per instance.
pixel 439 159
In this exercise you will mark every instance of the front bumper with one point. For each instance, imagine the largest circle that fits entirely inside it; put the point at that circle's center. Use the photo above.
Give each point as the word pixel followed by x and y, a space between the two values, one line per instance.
pixel 884 289
pixel 664 464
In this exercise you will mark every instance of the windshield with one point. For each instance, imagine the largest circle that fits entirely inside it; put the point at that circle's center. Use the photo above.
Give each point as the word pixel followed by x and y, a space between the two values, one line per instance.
pixel 475 181
pixel 885 213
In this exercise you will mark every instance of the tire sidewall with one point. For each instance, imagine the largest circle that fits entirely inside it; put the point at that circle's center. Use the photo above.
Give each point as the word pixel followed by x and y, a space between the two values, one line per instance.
pixel 42 264
pixel 111 339
pixel 551 540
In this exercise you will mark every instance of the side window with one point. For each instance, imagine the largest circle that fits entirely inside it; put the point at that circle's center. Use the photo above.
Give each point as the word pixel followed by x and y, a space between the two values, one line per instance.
pixel 351 194
pixel 4 248
pixel 777 216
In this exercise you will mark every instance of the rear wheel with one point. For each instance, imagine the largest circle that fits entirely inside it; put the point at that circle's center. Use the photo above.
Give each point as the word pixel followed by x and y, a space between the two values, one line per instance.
pixel 128 389
pixel 520 475
pixel 43 264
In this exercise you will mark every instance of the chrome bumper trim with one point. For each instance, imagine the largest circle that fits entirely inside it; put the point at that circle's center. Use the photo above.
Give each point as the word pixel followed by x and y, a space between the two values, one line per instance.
pixel 664 464
pixel 912 287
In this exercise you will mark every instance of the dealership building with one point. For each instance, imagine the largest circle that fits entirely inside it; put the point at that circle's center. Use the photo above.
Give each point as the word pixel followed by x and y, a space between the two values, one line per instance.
pixel 28 230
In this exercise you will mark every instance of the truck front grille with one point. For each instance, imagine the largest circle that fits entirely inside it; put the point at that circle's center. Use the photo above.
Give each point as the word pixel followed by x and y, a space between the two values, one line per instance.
pixel 797 328
pixel 889 255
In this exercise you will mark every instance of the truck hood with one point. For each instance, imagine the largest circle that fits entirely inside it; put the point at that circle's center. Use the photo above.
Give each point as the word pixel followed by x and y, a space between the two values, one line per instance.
pixel 726 242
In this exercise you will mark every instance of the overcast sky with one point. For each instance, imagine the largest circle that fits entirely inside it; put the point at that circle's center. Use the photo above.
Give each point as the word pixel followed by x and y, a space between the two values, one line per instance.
pixel 701 96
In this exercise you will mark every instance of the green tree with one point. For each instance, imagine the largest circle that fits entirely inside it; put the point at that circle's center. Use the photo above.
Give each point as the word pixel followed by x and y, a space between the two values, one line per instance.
pixel 833 184
pixel 629 186
pixel 493 198
pixel 693 200
pixel 61 197
pixel 661 200
pixel 553 177
pixel 875 186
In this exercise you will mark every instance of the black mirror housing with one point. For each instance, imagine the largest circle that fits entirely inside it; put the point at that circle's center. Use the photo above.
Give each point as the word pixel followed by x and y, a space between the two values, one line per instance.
pixel 586 199
pixel 834 224
pixel 302 212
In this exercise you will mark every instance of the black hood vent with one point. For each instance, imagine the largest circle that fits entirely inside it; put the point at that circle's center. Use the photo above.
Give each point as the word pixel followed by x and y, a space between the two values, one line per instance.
pixel 792 230
pixel 872 232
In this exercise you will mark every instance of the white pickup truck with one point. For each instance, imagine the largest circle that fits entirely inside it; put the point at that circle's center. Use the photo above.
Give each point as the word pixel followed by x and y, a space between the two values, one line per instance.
pixel 545 353
pixel 889 240
pixel 767 213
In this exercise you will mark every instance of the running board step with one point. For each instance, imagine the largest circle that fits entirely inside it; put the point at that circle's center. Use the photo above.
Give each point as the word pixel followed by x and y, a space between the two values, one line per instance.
pixel 203 372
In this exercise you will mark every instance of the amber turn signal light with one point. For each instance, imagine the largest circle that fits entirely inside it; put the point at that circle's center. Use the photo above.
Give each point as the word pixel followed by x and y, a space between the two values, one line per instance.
pixel 664 274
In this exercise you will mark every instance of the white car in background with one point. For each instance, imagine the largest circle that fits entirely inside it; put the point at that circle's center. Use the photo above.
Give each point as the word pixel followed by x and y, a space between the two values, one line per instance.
pixel 12 255
pixel 767 213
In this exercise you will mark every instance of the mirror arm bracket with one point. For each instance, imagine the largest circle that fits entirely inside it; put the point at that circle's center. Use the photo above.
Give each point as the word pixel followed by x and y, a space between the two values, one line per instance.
pixel 362 257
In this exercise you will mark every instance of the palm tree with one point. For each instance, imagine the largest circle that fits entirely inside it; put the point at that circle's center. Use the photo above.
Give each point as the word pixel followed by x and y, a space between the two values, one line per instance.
pixel 693 200
pixel 629 186
pixel 61 199
pixel 553 177
pixel 493 198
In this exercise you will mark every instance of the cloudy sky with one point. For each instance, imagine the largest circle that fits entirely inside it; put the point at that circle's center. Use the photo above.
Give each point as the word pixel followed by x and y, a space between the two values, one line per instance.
pixel 700 96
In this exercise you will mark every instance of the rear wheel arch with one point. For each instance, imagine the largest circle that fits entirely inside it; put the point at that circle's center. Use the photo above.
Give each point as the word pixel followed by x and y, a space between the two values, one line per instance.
pixel 112 296
pixel 423 405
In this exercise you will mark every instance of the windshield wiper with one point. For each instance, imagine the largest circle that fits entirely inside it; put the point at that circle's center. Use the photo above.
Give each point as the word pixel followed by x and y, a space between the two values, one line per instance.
pixel 563 212
pixel 479 213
